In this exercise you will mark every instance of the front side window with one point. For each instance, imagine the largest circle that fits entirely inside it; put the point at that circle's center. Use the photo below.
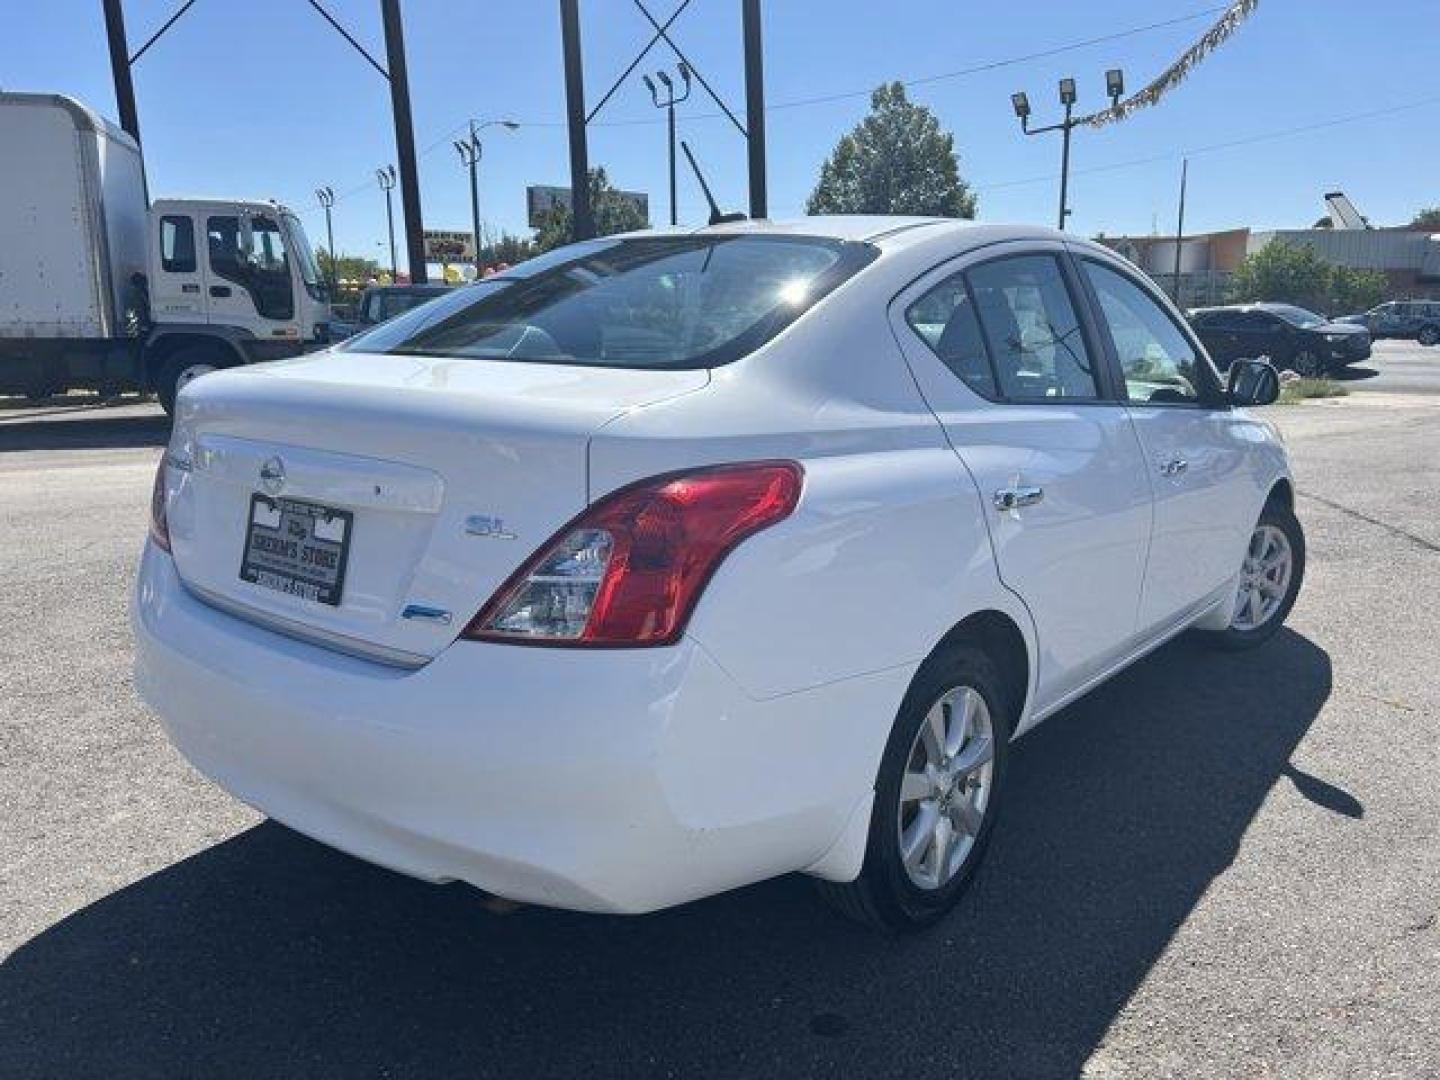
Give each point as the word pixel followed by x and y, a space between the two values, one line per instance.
pixel 177 244
pixel 1159 363
pixel 1031 331
pixel 263 271
pixel 651 302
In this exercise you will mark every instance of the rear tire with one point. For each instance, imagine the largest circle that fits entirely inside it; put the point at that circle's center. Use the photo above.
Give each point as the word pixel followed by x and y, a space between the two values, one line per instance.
pixel 183 368
pixel 1429 335
pixel 1271 575
pixel 959 689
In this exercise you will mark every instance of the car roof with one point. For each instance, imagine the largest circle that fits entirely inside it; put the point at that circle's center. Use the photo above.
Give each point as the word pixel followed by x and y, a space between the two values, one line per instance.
pixel 887 231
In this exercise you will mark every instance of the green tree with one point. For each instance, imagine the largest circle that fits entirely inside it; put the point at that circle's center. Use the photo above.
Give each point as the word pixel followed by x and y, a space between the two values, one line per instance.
pixel 1429 218
pixel 348 267
pixel 1356 290
pixel 508 249
pixel 1295 274
pixel 896 161
pixel 613 214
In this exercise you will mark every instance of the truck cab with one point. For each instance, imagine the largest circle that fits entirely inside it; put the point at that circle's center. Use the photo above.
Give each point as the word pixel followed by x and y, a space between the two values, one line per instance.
pixel 230 282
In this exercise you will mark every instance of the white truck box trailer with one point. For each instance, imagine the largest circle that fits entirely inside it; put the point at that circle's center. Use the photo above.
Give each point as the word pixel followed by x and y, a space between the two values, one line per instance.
pixel 101 288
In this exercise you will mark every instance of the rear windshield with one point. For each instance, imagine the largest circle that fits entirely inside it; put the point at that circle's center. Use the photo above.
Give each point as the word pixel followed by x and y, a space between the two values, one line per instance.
pixel 651 302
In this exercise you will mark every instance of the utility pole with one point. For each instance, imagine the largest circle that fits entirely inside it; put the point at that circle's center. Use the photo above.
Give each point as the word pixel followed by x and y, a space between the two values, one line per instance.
pixel 120 68
pixel 668 104
pixel 583 220
pixel 386 178
pixel 1114 87
pixel 471 151
pixel 755 107
pixel 1180 228
pixel 404 139
pixel 326 196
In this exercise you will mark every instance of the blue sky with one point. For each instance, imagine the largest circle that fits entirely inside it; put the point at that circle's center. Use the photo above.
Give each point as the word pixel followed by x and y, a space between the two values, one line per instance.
pixel 262 98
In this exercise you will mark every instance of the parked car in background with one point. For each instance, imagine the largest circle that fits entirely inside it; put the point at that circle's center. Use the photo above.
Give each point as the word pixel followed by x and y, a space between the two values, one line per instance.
pixel 1417 320
pixel 670 562
pixel 381 302
pixel 1290 337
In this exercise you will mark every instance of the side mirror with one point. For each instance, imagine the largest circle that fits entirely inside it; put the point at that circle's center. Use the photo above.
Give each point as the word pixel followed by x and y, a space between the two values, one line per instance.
pixel 1253 382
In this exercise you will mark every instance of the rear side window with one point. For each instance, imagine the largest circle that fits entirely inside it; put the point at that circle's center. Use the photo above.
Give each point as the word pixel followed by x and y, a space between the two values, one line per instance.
pixel 1009 330
pixel 652 302
pixel 177 244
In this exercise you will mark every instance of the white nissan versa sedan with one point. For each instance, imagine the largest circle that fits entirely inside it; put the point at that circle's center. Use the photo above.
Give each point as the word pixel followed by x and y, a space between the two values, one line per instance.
pixel 674 561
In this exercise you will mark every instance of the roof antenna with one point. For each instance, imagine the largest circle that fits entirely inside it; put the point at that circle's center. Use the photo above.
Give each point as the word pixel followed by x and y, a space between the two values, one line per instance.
pixel 716 217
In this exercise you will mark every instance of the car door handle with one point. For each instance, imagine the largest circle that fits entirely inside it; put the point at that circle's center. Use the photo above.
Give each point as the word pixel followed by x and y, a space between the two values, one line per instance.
pixel 1013 498
pixel 1173 467
pixel 219 290
pixel 190 288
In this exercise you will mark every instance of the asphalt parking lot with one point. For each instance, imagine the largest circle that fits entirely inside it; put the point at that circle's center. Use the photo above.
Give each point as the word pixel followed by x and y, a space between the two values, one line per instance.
pixel 1216 865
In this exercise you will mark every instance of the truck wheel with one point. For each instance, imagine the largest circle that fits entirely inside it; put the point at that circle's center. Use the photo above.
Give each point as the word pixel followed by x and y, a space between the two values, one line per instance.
pixel 180 370
pixel 1429 335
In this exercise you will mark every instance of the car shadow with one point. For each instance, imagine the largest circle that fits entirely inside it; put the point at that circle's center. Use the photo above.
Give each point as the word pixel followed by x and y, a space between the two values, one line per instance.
pixel 1354 373
pixel 270 955
pixel 81 429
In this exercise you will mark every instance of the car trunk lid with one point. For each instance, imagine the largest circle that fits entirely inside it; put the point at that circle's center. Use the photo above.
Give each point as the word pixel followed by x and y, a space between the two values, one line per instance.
pixel 408 488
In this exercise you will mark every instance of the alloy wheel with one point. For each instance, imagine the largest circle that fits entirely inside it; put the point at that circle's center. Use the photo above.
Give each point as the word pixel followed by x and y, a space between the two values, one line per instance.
pixel 1264 577
pixel 946 787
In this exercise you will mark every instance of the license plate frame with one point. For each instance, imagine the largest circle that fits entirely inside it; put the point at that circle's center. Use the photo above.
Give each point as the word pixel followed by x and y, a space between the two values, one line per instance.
pixel 290 556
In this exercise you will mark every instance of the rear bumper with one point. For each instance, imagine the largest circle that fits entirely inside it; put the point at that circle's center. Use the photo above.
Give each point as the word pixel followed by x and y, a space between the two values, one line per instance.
pixel 616 780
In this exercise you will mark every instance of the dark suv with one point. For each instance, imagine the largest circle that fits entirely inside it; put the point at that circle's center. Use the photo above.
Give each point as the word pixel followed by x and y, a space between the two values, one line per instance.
pixel 1418 320
pixel 1289 336
pixel 381 302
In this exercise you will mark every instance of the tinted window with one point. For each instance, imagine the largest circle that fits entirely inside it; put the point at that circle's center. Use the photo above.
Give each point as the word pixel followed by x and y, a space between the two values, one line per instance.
pixel 653 302
pixel 1157 359
pixel 177 244
pixel 1030 330
pixel 1297 316
pixel 263 271
pixel 945 318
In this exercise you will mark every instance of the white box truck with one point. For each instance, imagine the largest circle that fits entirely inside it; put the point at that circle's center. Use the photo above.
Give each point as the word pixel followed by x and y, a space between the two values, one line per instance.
pixel 99 288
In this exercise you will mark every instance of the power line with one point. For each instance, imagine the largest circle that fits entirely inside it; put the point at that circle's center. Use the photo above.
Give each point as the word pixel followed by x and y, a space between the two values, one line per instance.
pixel 1229 144
pixel 990 65
pixel 975 69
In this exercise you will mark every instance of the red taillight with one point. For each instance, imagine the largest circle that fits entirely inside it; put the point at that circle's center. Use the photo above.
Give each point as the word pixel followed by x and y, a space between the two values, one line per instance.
pixel 159 526
pixel 629 570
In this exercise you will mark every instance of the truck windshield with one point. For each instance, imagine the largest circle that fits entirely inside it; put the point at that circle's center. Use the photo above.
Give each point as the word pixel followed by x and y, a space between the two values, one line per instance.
pixel 304 256
pixel 648 302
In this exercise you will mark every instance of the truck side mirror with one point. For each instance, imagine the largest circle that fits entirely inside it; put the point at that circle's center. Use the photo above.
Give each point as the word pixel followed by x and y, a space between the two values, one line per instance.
pixel 1253 382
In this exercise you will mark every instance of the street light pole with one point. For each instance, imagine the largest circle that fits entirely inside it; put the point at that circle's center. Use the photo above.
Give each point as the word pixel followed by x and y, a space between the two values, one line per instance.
pixel 386 178
pixel 326 195
pixel 1114 87
pixel 668 104
pixel 471 150
pixel 1180 227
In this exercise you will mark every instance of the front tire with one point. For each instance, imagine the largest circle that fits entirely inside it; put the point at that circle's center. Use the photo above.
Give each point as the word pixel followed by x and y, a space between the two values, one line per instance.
pixel 936 795
pixel 1429 335
pixel 180 370
pixel 1270 578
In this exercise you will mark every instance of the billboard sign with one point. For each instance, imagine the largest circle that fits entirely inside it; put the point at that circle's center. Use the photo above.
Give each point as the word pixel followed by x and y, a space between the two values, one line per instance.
pixel 541 198
pixel 448 246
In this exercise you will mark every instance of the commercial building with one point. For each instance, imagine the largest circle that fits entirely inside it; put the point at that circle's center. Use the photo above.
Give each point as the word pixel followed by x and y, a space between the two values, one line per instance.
pixel 1409 258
